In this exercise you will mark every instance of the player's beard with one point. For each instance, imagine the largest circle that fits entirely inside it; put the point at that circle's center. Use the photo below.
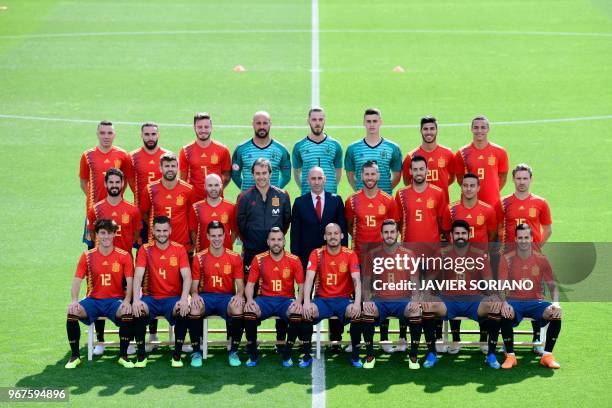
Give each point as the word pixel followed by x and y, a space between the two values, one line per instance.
pixel 113 192
pixel 170 176
pixel 370 184
pixel 262 133
pixel 426 137
pixel 419 180
pixel 333 243
pixel 162 240
pixel 150 145
pixel 203 138
pixel 214 194
pixel 460 243
pixel 276 249
pixel 318 132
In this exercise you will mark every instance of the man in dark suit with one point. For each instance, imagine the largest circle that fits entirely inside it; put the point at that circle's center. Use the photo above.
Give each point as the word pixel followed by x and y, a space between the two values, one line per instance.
pixel 310 214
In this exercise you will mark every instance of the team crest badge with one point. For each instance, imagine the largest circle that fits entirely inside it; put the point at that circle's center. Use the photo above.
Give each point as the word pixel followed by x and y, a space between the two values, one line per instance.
pixel 117 163
pixel 342 267
pixel 227 269
pixel 214 159
pixel 382 209
pixel 224 218
pixel 480 219
pixel 441 162
pixel 173 261
pixel 491 160
pixel 535 271
pixel 430 203
pixel 180 200
pixel 115 267
pixel 125 218
pixel 286 273
pixel 275 201
pixel 274 156
pixel 383 155
pixel 532 212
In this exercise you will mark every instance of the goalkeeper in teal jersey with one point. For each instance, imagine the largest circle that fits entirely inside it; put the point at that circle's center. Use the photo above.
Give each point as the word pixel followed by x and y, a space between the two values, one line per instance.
pixel 317 150
pixel 261 146
pixel 373 147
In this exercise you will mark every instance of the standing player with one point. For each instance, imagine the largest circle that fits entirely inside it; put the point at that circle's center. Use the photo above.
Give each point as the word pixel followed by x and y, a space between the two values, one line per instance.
pixel 105 268
pixel 526 264
pixel 213 208
pixel 440 168
pixel 374 148
pixel 320 150
pixel 277 273
pixel 483 230
pixel 145 167
pixel 162 281
pixel 523 207
pixel 335 271
pixel 487 160
pixel 261 146
pixel 171 197
pixel 203 156
pixel 381 301
pixel 94 164
pixel 217 288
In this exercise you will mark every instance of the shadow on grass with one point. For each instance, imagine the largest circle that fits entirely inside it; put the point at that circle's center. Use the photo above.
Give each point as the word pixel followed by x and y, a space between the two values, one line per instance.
pixel 211 378
pixel 467 367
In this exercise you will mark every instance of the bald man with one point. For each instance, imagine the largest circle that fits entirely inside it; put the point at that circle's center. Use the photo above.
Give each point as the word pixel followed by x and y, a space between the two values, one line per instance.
pixel 213 208
pixel 261 145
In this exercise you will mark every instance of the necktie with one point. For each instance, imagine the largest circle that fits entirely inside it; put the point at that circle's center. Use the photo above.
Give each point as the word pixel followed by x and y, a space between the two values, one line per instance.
pixel 318 208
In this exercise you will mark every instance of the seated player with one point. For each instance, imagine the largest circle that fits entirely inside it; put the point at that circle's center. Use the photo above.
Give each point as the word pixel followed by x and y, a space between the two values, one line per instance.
pixel 217 288
pixel 382 302
pixel 277 272
pixel 105 268
pixel 335 269
pixel 163 274
pixel 525 263
pixel 467 264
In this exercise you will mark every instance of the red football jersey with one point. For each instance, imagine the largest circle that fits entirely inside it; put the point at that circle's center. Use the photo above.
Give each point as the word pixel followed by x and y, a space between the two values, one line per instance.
pixel 535 268
pixel 481 218
pixel 105 274
pixel 421 214
pixel 486 163
pixel 392 276
pixel 202 213
pixel 366 215
pixel 333 272
pixel 144 169
pixel 162 277
pixel 173 203
pixel 125 214
pixel 533 210
pixel 471 267
pixel 199 162
pixel 440 167
pixel 93 168
pixel 276 278
pixel 216 274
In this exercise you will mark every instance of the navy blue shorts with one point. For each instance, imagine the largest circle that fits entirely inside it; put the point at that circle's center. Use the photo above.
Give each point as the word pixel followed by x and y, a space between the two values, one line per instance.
pixel 90 244
pixel 393 308
pixel 161 307
pixel 273 306
pixel 100 308
pixel 462 307
pixel 216 304
pixel 329 307
pixel 532 309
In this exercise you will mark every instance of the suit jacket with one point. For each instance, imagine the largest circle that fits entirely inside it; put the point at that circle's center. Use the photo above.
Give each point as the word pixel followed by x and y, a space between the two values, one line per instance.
pixel 306 229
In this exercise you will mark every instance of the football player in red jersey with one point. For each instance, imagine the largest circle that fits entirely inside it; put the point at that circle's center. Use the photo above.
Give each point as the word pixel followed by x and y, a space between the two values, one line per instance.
pixel 105 268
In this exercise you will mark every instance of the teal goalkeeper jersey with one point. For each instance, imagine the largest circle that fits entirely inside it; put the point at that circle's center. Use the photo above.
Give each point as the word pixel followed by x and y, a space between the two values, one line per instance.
pixel 326 154
pixel 245 155
pixel 386 154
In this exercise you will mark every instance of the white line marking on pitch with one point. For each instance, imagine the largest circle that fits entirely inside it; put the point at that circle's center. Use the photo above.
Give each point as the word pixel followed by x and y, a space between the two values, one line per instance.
pixel 416 126
pixel 318 365
pixel 303 31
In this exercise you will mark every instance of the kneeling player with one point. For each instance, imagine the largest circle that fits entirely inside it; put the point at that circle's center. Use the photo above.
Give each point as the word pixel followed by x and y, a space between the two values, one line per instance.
pixel 217 288
pixel 387 302
pixel 460 299
pixel 105 268
pixel 163 274
pixel 277 272
pixel 336 269
pixel 527 264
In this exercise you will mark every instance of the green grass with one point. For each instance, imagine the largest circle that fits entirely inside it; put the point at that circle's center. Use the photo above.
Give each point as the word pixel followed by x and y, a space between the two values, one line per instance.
pixel 451 72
